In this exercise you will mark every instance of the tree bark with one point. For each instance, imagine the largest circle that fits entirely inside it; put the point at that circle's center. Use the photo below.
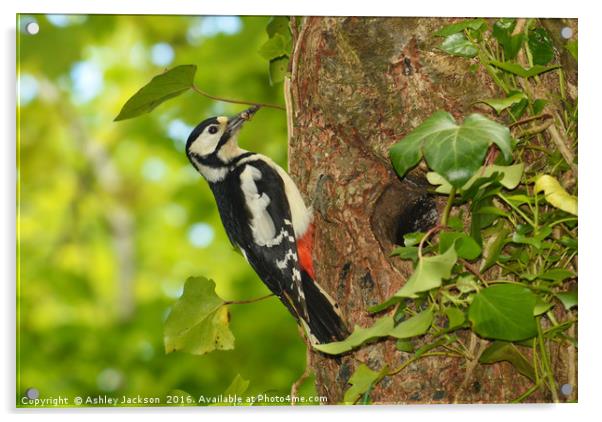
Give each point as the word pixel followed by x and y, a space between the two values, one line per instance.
pixel 358 85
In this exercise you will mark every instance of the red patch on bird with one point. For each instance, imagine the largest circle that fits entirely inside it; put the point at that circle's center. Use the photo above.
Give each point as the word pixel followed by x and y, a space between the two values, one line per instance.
pixel 304 250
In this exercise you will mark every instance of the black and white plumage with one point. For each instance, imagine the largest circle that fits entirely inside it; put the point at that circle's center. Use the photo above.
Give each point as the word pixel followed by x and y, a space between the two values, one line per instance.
pixel 264 215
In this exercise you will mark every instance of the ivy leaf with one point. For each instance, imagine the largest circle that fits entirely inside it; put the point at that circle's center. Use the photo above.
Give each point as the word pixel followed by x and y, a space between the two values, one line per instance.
pixel 502 32
pixel 454 151
pixel 557 274
pixel 466 247
pixel 406 252
pixel 503 312
pixel 493 246
pixel 429 273
pixel 380 328
pixel 276 46
pixel 510 178
pixel 500 351
pixel 541 46
pixel 448 30
pixel 414 326
pixel 161 88
pixel 198 322
pixel 568 299
pixel 500 104
pixel 455 317
pixel 555 194
pixel 572 48
pixel 361 381
pixel 278 69
pixel 278 25
pixel 518 70
pixel 458 45
pixel 541 306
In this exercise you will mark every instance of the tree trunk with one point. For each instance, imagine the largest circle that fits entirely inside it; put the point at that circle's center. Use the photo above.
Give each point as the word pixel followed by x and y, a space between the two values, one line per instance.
pixel 358 85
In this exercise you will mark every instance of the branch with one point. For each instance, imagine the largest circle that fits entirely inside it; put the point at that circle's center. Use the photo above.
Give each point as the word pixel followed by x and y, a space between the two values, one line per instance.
pixel 229 100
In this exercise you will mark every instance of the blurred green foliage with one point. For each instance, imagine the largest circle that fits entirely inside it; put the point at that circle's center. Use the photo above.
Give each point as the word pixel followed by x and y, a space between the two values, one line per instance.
pixel 112 219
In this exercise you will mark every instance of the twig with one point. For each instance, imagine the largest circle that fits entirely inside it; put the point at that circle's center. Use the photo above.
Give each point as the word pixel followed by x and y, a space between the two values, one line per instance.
pixel 244 302
pixel 306 373
pixel 229 100
pixel 534 130
pixel 472 363
pixel 530 119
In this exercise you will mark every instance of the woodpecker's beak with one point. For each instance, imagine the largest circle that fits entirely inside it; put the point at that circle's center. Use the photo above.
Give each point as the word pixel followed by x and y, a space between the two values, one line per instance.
pixel 236 122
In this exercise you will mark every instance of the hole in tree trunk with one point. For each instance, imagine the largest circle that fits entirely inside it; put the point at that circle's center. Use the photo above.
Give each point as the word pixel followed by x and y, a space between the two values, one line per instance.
pixel 404 207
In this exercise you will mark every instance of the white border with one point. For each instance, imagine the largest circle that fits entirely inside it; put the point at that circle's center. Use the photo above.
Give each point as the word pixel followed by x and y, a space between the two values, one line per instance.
pixel 589 154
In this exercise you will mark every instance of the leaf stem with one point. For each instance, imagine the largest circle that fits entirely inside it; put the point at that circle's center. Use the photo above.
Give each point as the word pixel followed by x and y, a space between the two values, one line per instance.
pixel 545 359
pixel 448 206
pixel 244 302
pixel 518 210
pixel 229 100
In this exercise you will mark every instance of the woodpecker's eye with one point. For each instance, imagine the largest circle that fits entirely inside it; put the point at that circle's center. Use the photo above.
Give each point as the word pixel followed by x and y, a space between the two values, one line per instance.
pixel 212 129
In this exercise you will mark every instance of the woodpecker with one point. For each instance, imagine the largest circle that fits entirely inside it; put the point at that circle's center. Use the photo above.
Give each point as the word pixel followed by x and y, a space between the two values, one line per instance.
pixel 265 217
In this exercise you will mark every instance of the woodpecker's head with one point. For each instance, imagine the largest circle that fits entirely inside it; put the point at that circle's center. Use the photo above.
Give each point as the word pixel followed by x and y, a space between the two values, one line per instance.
pixel 217 135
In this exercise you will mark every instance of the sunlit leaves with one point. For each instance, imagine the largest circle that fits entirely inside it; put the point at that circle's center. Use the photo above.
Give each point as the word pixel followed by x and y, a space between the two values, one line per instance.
pixel 361 381
pixel 502 32
pixel 383 327
pixel 510 178
pixel 454 151
pixel 161 88
pixel 429 273
pixel 503 312
pixel 460 26
pixel 555 194
pixel 198 322
pixel 277 48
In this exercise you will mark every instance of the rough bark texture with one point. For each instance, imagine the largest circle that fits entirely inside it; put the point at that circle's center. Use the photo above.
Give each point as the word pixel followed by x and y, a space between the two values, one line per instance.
pixel 358 86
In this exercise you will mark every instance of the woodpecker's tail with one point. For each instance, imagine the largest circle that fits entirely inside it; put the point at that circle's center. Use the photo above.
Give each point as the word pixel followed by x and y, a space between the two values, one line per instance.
pixel 324 323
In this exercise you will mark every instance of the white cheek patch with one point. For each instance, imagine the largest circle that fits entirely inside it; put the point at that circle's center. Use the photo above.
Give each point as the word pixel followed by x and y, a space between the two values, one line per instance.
pixel 205 144
pixel 262 226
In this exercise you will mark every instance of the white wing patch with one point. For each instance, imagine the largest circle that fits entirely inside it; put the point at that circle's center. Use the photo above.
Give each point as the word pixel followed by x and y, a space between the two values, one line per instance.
pixel 262 225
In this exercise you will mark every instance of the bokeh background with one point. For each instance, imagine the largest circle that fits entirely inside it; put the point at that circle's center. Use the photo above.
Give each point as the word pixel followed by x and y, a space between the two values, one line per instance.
pixel 112 219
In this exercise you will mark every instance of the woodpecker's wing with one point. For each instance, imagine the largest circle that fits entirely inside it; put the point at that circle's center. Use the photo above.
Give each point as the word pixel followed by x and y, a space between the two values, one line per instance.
pixel 264 231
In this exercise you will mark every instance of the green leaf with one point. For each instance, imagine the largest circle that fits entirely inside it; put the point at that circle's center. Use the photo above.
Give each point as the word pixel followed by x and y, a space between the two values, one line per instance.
pixel 500 351
pixel 493 246
pixel 414 326
pixel 500 104
pixel 198 322
pixel 521 71
pixel 380 328
pixel 510 179
pixel 406 252
pixel 538 106
pixel 405 154
pixel 461 26
pixel 535 241
pixel 541 306
pixel 429 273
pixel 572 48
pixel 541 46
pixel 278 25
pixel 238 386
pixel 404 346
pixel 503 312
pixel 361 381
pixel 275 47
pixel 457 152
pixel 466 247
pixel 502 32
pixel 412 239
pixel 384 305
pixel 467 283
pixel 557 274
pixel 555 194
pixel 454 151
pixel 458 45
pixel 568 299
pixel 278 69
pixel 160 89
pixel 455 317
